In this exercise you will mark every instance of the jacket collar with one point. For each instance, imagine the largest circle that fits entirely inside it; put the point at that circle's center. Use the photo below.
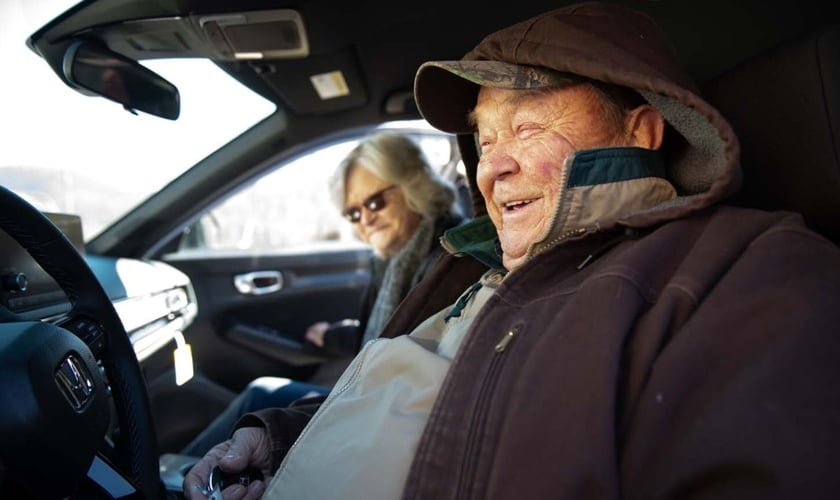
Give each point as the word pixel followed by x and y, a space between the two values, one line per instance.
pixel 600 187
pixel 478 239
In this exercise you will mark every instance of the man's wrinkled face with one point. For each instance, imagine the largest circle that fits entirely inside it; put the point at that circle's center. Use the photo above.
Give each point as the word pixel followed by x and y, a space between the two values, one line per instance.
pixel 525 136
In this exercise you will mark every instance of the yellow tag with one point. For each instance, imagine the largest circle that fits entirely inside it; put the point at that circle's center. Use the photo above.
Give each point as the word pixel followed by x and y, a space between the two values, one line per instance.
pixel 183 360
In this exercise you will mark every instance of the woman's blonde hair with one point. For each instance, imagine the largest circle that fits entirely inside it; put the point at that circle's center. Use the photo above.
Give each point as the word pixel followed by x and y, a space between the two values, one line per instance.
pixel 398 160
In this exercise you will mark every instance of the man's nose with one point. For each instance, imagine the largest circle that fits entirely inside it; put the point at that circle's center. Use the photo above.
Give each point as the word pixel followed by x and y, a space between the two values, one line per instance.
pixel 499 162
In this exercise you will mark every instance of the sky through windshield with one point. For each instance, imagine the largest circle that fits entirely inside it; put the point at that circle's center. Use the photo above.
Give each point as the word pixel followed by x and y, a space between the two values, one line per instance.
pixel 45 126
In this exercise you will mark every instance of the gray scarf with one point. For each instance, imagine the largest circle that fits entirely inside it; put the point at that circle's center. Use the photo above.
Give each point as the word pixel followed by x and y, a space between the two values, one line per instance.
pixel 399 274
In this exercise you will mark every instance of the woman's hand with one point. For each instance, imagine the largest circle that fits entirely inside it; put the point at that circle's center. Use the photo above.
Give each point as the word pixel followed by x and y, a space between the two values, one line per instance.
pixel 315 333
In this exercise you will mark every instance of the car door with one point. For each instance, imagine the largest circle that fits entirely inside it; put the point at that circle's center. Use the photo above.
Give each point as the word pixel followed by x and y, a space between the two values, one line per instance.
pixel 265 263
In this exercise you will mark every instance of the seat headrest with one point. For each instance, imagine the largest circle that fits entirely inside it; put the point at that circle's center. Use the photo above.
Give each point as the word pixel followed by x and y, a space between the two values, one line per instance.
pixel 785 107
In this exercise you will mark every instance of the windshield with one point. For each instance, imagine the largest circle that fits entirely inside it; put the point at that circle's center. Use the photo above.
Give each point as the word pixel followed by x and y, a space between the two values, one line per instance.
pixel 67 152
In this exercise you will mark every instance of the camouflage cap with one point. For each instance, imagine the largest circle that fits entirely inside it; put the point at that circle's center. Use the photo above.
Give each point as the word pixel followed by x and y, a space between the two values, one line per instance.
pixel 446 91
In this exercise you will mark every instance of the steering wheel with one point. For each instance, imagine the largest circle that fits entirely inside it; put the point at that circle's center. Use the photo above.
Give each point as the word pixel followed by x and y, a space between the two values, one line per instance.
pixel 74 411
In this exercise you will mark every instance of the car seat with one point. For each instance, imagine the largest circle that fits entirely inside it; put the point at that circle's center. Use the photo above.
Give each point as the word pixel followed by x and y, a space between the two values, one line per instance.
pixel 784 105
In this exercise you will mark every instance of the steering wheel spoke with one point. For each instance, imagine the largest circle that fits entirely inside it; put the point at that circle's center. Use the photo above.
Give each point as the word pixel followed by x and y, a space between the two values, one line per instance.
pixel 89 330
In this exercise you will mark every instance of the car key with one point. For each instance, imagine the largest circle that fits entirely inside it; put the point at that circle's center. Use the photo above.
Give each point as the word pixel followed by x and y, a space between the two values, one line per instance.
pixel 219 480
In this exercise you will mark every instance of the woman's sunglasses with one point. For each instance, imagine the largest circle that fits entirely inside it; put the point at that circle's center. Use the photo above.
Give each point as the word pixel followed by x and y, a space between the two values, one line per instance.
pixel 373 203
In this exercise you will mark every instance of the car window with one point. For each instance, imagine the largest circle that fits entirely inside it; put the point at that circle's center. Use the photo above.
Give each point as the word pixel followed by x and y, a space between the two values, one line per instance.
pixel 67 152
pixel 291 209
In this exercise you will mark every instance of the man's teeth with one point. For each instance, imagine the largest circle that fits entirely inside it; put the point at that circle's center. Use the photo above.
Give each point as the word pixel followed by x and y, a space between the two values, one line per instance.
pixel 514 204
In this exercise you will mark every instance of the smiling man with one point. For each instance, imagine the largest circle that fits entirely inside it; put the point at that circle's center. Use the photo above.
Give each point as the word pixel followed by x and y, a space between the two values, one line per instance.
pixel 630 336
pixel 525 138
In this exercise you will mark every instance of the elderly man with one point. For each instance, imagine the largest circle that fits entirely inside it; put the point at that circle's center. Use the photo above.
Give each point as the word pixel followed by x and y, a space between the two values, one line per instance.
pixel 629 337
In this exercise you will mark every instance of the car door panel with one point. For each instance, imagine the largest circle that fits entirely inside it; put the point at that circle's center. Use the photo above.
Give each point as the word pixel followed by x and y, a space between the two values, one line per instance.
pixel 264 331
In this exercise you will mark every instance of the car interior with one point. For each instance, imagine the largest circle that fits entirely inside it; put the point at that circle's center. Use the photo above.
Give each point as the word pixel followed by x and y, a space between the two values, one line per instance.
pixel 792 166
pixel 79 320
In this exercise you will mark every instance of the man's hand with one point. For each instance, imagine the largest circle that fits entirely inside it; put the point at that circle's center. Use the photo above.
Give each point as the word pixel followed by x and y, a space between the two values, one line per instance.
pixel 247 446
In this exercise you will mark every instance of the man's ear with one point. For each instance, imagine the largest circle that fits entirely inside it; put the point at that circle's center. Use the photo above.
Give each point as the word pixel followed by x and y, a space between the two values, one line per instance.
pixel 645 127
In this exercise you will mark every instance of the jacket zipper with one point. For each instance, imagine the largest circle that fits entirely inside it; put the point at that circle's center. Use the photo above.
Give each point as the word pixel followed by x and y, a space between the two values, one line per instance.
pixel 505 340
pixel 466 477
pixel 565 236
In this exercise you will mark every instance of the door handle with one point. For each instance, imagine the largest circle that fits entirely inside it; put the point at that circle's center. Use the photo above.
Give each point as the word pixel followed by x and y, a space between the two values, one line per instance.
pixel 258 282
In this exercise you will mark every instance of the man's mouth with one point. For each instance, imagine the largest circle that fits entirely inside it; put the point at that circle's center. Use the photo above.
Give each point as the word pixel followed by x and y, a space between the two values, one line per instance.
pixel 513 206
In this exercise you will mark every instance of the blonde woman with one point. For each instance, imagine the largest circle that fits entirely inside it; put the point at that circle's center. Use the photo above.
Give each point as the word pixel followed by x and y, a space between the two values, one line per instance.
pixel 399 206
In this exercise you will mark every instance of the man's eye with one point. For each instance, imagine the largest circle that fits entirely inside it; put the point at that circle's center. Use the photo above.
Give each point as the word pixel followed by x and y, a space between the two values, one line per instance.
pixel 527 130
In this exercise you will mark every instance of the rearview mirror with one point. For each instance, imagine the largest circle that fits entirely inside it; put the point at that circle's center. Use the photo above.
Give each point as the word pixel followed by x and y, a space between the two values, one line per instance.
pixel 96 70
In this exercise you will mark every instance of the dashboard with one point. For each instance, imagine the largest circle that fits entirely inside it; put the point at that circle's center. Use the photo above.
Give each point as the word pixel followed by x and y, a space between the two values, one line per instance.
pixel 154 301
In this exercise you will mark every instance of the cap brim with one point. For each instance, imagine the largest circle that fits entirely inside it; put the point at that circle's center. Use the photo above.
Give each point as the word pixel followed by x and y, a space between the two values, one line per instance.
pixel 446 91
pixel 443 97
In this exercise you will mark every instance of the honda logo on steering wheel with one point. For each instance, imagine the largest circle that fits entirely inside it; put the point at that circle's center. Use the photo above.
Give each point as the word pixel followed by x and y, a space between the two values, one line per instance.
pixel 75 381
